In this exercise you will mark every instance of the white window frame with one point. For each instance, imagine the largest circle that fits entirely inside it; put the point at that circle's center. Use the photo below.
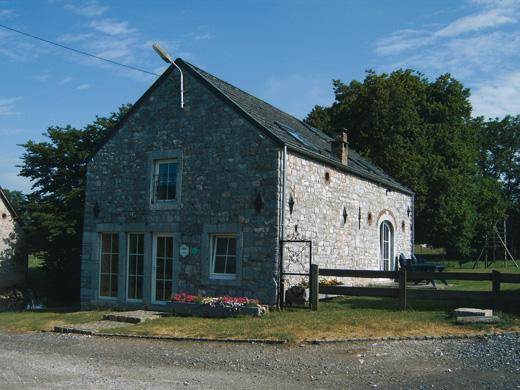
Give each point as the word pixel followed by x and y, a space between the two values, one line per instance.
pixel 213 253
pixel 160 156
pixel 111 253
pixel 128 265
pixel 154 265
pixel 155 180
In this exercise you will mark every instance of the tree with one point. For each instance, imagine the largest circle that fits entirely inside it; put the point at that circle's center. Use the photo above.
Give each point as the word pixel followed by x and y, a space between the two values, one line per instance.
pixel 57 169
pixel 499 161
pixel 320 118
pixel 421 133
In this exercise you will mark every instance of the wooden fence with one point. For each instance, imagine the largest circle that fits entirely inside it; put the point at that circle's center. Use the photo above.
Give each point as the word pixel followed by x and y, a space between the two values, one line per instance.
pixel 495 297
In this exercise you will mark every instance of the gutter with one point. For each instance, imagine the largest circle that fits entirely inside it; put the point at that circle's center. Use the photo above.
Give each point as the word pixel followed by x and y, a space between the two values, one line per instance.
pixel 282 224
pixel 413 224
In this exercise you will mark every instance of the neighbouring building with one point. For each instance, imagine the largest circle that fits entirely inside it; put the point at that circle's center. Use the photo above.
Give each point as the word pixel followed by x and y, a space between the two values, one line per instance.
pixel 198 199
pixel 12 266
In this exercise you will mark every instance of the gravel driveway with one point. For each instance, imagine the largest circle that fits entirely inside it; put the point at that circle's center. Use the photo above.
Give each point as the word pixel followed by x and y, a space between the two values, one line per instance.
pixel 44 360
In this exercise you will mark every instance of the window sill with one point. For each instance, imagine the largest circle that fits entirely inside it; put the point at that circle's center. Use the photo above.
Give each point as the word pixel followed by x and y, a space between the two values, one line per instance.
pixel 236 281
pixel 165 205
pixel 106 298
pixel 223 277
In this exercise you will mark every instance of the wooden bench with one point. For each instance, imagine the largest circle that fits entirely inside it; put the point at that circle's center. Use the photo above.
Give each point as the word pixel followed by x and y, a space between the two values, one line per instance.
pixel 416 265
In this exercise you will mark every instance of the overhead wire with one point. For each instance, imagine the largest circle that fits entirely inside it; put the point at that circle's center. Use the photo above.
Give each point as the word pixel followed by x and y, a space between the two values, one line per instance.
pixel 77 51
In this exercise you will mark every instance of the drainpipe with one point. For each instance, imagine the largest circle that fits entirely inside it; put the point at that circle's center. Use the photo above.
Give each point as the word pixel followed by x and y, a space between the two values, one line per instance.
pixel 413 224
pixel 282 225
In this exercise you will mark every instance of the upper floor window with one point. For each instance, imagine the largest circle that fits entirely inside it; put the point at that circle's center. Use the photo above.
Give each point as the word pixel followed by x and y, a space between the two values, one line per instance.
pixel 165 177
pixel 165 180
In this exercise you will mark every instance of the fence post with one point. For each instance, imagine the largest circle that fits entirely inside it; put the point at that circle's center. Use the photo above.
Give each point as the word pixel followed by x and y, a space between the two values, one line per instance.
pixel 315 285
pixel 495 295
pixel 402 288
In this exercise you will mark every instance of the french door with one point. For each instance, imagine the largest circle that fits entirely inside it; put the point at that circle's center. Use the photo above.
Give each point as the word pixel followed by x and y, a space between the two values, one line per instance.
pixel 162 268
pixel 135 267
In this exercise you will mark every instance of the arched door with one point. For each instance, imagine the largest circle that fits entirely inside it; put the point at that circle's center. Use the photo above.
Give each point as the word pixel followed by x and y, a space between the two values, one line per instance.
pixel 386 241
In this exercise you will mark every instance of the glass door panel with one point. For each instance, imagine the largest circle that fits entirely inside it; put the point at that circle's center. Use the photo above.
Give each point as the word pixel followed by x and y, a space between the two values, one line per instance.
pixel 163 268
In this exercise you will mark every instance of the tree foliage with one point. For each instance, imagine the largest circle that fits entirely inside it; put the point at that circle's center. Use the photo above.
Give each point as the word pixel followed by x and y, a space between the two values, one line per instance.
pixel 421 133
pixel 56 168
pixel 499 162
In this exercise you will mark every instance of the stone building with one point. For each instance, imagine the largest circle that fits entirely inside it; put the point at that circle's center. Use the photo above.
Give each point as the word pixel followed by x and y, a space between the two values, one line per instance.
pixel 12 268
pixel 198 199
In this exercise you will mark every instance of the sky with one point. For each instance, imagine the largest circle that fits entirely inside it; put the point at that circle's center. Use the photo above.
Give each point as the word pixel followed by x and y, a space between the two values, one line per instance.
pixel 286 52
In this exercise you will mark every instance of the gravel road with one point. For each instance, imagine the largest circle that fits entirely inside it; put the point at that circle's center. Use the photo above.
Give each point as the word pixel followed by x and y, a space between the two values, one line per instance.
pixel 44 361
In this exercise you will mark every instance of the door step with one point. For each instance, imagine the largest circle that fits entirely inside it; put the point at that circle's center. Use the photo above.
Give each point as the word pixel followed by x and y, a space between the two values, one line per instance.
pixel 88 327
pixel 134 316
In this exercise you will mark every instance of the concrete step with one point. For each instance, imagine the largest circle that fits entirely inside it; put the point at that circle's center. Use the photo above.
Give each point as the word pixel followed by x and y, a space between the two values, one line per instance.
pixel 471 312
pixel 134 316
pixel 477 320
pixel 88 327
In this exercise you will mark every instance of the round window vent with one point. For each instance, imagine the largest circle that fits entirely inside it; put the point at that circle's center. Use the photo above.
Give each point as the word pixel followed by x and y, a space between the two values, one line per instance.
pixel 4 216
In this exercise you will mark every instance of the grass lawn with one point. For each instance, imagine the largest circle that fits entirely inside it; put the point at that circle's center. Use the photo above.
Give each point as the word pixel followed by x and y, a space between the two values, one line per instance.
pixel 25 321
pixel 454 266
pixel 340 318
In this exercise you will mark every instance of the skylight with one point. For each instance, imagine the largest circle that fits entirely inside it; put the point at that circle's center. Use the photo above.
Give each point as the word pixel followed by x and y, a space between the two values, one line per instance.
pixel 297 136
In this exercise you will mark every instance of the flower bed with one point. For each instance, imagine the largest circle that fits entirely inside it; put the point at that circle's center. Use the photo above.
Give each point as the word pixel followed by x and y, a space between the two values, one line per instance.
pixel 225 306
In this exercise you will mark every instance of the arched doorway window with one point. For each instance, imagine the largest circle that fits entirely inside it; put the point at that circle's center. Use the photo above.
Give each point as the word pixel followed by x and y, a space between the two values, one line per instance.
pixel 386 240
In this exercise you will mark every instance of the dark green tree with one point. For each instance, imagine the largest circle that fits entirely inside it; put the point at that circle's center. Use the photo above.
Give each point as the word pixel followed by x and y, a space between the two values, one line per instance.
pixel 420 132
pixel 499 161
pixel 319 117
pixel 57 168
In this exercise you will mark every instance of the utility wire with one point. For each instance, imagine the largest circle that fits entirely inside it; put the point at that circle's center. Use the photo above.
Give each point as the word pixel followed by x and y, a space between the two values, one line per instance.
pixel 77 51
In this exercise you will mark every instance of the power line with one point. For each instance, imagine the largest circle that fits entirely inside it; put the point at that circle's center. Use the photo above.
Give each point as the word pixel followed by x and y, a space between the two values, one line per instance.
pixel 77 51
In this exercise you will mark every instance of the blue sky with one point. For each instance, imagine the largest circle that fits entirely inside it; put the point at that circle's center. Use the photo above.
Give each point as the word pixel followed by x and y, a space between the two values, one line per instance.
pixel 283 51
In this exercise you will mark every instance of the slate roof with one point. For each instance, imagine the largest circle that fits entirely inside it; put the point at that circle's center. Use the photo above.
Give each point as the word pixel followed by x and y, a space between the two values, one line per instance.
pixel 294 133
pixel 11 209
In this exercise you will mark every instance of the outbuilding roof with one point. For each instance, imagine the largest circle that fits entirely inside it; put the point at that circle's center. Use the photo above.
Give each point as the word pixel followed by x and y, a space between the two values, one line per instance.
pixel 3 198
pixel 293 132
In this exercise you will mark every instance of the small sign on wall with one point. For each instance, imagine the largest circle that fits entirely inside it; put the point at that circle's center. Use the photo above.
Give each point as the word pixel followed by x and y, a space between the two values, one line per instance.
pixel 184 250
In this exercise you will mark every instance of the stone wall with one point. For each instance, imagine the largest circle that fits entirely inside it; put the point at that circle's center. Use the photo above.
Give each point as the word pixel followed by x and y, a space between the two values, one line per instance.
pixel 11 271
pixel 318 216
pixel 226 164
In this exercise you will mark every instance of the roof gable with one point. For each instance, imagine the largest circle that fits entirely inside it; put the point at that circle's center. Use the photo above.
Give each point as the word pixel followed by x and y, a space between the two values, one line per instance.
pixel 3 198
pixel 278 125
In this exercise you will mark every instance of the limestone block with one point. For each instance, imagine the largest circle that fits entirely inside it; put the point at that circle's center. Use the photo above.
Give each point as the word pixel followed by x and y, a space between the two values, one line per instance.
pixel 472 312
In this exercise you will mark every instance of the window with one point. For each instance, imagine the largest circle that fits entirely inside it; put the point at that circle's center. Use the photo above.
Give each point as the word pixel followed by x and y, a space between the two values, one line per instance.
pixel 109 262
pixel 223 256
pixel 386 239
pixel 165 181
pixel 135 266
